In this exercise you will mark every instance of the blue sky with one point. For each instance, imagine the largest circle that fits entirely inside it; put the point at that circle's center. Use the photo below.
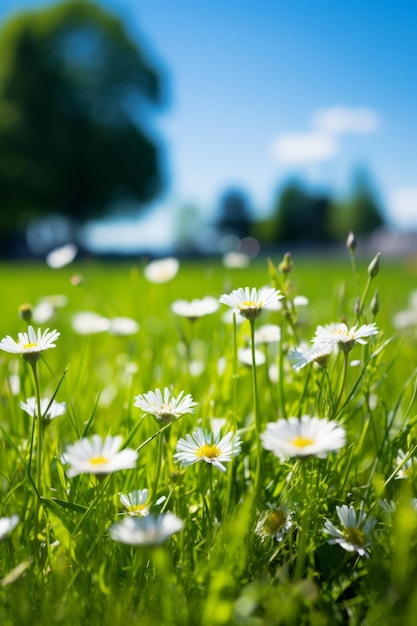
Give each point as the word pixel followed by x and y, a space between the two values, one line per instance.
pixel 258 91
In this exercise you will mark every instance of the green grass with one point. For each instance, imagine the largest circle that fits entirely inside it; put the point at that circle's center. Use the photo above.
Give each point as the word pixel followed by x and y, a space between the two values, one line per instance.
pixel 60 565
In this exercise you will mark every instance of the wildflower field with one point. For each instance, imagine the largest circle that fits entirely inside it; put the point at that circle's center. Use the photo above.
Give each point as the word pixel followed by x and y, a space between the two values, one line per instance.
pixel 194 444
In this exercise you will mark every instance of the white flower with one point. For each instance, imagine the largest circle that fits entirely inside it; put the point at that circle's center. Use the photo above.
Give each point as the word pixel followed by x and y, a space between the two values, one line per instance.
pixel 274 523
pixel 268 333
pixel 89 323
pixel 233 260
pixel 207 447
pixel 167 407
pixel 195 308
pixel 404 319
pixel 301 301
pixel 354 536
pixel 389 507
pixel 7 524
pixel 94 456
pixel 404 463
pixel 123 326
pixel 49 410
pixel 245 356
pixel 340 335
pixel 135 502
pixel 62 256
pixel 30 344
pixel 162 270
pixel 302 356
pixel 301 437
pixel 151 530
pixel 249 303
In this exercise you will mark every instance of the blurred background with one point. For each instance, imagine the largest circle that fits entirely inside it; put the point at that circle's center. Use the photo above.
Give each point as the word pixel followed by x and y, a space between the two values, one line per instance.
pixel 181 127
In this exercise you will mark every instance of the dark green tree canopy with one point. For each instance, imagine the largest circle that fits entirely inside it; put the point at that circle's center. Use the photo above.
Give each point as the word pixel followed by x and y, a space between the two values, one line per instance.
pixel 74 92
pixel 302 216
pixel 234 214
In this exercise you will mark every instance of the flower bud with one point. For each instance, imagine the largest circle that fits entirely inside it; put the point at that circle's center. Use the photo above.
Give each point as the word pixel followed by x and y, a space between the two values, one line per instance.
pixel 25 312
pixel 374 306
pixel 285 266
pixel 351 242
pixel 373 267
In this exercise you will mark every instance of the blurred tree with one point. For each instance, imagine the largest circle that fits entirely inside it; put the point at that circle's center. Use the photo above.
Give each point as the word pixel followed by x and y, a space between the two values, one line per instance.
pixel 301 216
pixel 73 94
pixel 234 214
pixel 360 213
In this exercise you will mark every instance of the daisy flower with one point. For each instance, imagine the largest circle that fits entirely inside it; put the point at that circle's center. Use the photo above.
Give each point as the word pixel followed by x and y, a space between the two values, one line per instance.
pixel 162 270
pixel 135 502
pixel 245 356
pixel 249 302
pixel 151 530
pixel 355 531
pixel 30 344
pixel 233 260
pixel 340 335
pixel 274 523
pixel 89 323
pixel 301 437
pixel 207 447
pixel 268 333
pixel 60 257
pixel 302 356
pixel 7 524
pixel 195 308
pixel 123 326
pixel 49 410
pixel 165 407
pixel 95 456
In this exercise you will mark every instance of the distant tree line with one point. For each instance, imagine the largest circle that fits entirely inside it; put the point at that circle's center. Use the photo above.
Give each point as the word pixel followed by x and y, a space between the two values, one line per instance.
pixel 299 215
pixel 75 92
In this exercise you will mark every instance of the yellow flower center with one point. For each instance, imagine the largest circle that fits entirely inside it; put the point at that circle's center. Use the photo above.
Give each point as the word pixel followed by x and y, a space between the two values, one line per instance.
pixel 98 460
pixel 29 346
pixel 274 522
pixel 250 304
pixel 302 442
pixel 137 508
pixel 355 536
pixel 209 451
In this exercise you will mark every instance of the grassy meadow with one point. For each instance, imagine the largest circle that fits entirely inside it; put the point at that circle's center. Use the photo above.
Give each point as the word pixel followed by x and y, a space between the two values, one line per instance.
pixel 256 544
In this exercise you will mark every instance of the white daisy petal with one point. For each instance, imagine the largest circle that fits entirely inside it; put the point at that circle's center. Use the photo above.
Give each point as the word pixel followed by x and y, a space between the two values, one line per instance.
pixel 150 530
pixel 166 408
pixel 30 344
pixel 94 456
pixel 249 303
pixel 301 437
pixel 207 447
pixel 355 531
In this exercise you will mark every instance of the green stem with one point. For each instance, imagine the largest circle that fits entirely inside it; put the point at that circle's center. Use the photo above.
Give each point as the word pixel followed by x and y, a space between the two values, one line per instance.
pixel 38 419
pixel 258 475
pixel 304 532
pixel 235 373
pixel 362 301
pixel 281 375
pixel 157 470
pixel 342 383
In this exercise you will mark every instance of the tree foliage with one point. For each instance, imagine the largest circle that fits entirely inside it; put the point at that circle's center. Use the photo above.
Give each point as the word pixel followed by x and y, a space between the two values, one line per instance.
pixel 234 214
pixel 74 88
pixel 301 216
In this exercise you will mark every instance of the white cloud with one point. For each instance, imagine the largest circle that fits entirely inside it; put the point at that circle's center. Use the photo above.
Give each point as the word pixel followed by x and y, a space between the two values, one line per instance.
pixel 402 207
pixel 345 119
pixel 306 147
